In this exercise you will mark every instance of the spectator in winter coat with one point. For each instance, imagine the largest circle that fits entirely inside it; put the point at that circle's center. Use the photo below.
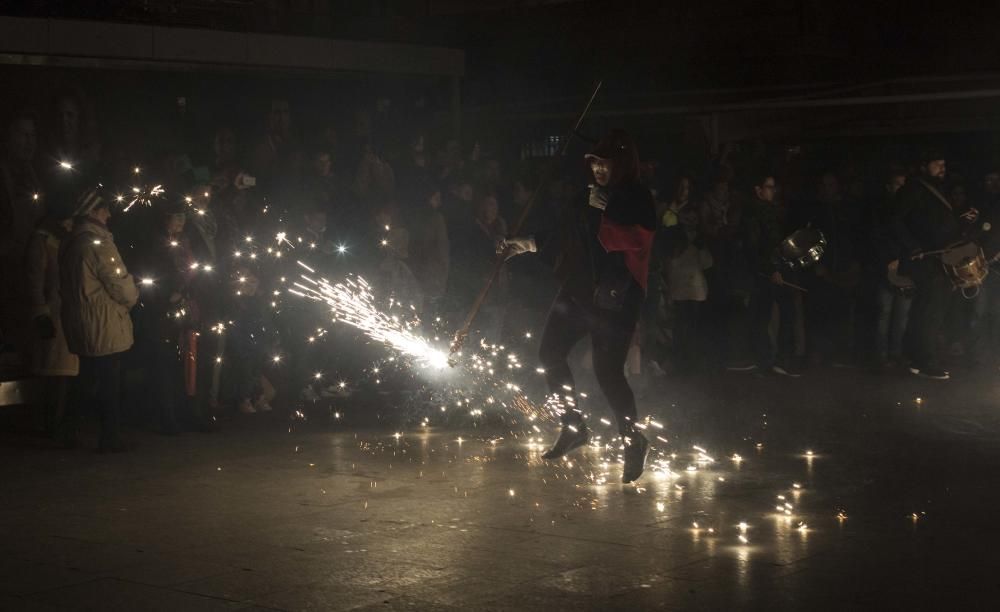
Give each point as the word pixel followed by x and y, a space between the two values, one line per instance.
pixel 51 357
pixel 763 234
pixel 170 316
pixel 396 281
pixel 429 246
pixel 97 293
pixel 688 293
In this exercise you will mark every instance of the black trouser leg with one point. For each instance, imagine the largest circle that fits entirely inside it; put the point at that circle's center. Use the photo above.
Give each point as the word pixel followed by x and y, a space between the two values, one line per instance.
pixel 54 403
pixel 687 327
pixel 930 307
pixel 76 400
pixel 109 396
pixel 611 334
pixel 169 384
pixel 101 377
pixel 785 299
pixel 85 400
pixel 761 304
pixel 766 295
pixel 611 341
pixel 565 326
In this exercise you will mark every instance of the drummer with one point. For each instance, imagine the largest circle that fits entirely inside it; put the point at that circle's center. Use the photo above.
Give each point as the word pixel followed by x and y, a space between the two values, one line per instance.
pixel 986 229
pixel 982 339
pixel 926 221
pixel 761 232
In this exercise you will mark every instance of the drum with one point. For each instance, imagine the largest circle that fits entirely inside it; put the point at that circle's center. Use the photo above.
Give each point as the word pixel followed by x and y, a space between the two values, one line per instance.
pixel 965 264
pixel 803 248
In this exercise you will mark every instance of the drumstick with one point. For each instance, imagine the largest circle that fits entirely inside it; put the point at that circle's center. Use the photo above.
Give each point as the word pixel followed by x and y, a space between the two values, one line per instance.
pixel 786 283
pixel 927 254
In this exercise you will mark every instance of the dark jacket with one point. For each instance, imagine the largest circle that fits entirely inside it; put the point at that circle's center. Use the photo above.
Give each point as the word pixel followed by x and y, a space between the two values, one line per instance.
pixel 580 260
pixel 922 221
pixel 474 255
pixel 840 223
pixel 884 244
pixel 762 233
pixel 169 261
pixel 987 231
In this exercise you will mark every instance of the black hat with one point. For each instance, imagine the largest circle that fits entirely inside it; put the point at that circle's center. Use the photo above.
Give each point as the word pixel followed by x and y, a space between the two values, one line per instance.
pixel 618 147
pixel 614 145
pixel 929 154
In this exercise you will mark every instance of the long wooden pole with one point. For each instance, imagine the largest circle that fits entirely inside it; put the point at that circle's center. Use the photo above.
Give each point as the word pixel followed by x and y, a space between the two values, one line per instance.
pixel 463 332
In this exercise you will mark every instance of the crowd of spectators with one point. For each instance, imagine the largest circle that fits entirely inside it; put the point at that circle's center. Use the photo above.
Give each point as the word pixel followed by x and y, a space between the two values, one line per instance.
pixel 735 304
pixel 153 315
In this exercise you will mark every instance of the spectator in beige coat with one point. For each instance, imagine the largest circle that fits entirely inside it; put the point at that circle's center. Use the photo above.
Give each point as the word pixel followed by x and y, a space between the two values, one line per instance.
pixel 97 293
pixel 50 356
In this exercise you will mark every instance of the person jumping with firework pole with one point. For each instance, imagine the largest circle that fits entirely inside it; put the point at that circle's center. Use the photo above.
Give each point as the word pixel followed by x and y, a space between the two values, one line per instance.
pixel 601 256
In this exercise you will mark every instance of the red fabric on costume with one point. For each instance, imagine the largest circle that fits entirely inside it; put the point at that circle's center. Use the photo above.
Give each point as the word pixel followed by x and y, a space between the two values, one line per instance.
pixel 635 241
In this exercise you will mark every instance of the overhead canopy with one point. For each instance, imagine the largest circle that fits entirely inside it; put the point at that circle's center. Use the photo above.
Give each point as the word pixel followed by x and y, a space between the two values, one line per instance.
pixel 110 44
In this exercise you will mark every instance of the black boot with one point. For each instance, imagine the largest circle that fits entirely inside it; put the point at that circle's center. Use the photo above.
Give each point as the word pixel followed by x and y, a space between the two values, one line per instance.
pixel 570 438
pixel 636 447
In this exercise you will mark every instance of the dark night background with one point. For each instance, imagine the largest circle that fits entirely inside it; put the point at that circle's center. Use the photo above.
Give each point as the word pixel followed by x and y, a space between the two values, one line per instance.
pixel 521 50
pixel 773 73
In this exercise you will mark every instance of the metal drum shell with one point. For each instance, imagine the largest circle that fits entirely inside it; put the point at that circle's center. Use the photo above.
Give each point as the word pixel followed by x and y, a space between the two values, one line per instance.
pixel 803 248
pixel 965 264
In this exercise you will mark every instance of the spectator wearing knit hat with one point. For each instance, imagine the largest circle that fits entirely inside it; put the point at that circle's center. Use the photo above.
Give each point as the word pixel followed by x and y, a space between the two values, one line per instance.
pixel 97 293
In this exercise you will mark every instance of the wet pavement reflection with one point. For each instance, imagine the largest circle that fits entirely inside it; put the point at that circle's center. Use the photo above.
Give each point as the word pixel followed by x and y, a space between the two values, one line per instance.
pixel 840 490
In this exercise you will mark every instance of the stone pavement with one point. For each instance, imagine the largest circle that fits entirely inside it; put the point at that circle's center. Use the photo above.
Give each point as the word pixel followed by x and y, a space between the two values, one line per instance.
pixel 350 516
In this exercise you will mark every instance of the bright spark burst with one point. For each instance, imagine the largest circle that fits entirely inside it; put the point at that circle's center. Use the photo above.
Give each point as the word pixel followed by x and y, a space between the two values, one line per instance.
pixel 353 302
pixel 144 196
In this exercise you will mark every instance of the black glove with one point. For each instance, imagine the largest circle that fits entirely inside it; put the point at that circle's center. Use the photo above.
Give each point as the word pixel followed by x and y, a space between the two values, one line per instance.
pixel 44 327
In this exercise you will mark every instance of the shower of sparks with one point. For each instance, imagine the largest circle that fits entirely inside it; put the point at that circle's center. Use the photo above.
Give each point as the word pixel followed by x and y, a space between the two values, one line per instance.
pixel 481 384
pixel 478 383
pixel 353 302
pixel 144 196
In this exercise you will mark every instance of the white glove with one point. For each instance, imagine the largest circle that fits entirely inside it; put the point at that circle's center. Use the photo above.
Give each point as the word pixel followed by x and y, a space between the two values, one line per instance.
pixel 516 246
pixel 598 197
pixel 970 215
